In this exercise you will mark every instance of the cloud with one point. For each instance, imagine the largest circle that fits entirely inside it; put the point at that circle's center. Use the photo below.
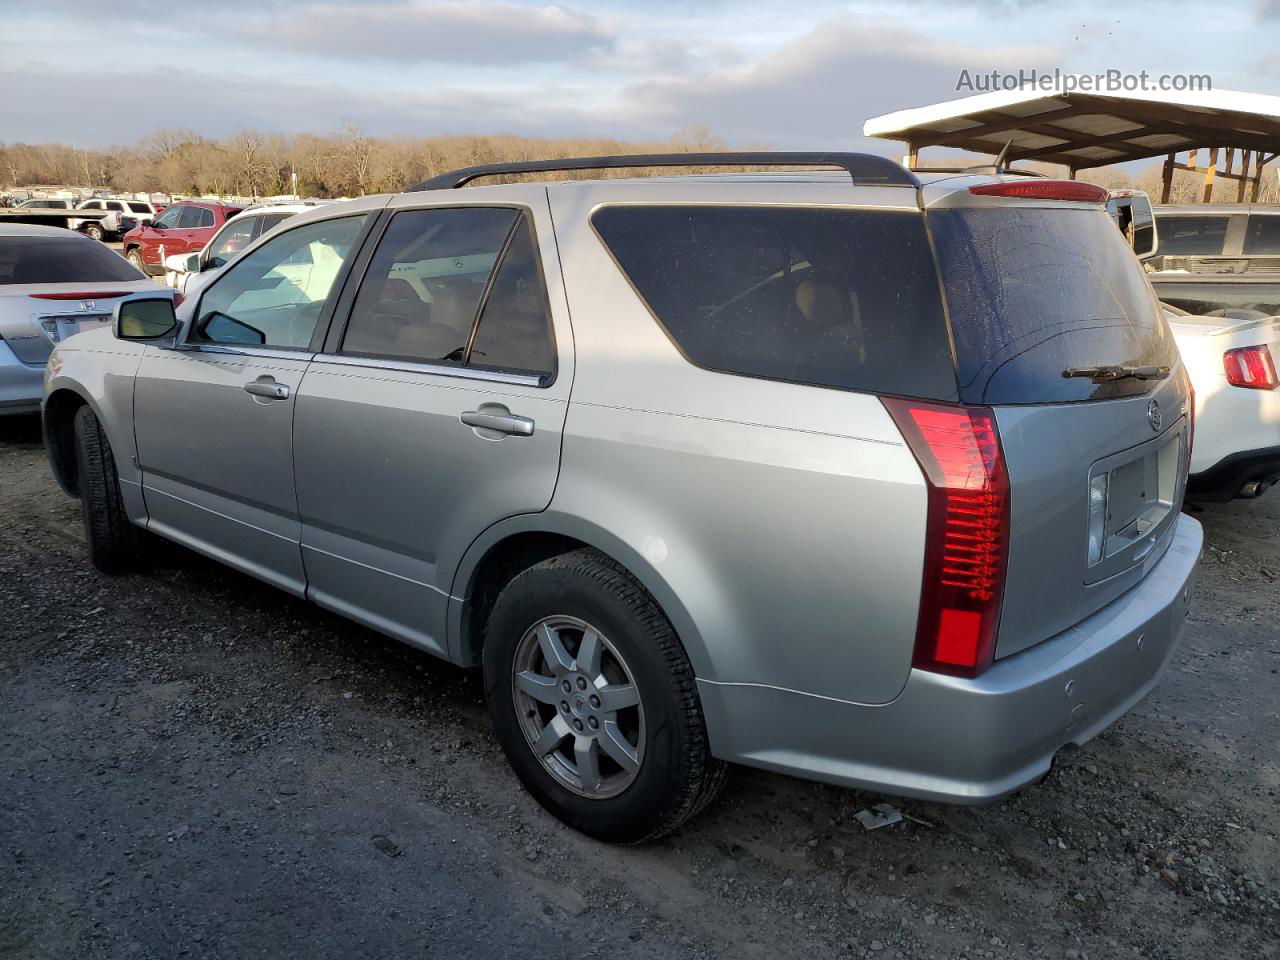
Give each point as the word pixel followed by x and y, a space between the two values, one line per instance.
pixel 817 89
pixel 489 32
pixel 1268 9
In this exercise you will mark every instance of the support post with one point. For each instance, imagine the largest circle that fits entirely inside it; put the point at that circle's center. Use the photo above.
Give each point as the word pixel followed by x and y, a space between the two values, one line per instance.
pixel 1244 176
pixel 1209 171
pixel 913 156
pixel 1167 180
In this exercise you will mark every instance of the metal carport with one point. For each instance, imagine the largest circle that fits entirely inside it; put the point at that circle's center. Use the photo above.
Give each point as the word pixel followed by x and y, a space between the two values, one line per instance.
pixel 1082 130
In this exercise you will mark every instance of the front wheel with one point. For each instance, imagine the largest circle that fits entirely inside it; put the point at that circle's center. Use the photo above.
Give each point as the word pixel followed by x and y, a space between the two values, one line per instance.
pixel 134 256
pixel 113 541
pixel 594 701
pixel 94 232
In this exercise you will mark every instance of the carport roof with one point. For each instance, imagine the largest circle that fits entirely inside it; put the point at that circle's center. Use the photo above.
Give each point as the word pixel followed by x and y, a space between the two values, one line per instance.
pixel 1088 129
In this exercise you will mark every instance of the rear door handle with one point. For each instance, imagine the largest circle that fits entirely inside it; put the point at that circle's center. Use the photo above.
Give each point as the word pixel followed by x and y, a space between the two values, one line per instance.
pixel 494 418
pixel 267 387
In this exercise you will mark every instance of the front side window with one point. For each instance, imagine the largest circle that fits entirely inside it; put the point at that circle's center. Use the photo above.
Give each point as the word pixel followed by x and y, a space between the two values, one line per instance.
pixel 238 234
pixel 169 219
pixel 273 297
pixel 1192 236
pixel 421 293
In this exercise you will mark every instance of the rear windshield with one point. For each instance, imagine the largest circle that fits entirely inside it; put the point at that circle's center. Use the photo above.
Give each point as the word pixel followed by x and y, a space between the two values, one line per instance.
pixel 824 296
pixel 1233 299
pixel 1034 291
pixel 72 259
pixel 1191 236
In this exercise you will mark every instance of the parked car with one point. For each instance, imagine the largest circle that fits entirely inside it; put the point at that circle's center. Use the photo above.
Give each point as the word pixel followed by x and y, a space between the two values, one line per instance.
pixel 186 271
pixel 184 227
pixel 1218 238
pixel 700 470
pixel 119 211
pixel 53 284
pixel 1228 330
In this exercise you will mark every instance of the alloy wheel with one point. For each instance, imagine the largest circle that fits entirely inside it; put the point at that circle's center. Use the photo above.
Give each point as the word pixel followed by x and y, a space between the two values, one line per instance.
pixel 578 706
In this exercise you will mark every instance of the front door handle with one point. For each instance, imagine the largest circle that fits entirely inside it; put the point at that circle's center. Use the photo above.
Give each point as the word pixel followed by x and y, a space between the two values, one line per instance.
pixel 267 387
pixel 493 420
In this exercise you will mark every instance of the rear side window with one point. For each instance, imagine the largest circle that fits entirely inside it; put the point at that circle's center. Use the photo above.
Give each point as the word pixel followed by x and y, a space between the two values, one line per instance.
pixel 206 218
pixel 1263 234
pixel 139 208
pixel 58 260
pixel 514 330
pixel 1034 291
pixel 828 297
pixel 1191 236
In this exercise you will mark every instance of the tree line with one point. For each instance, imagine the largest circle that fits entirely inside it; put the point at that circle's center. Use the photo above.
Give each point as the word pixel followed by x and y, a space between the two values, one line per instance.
pixel 252 164
pixel 352 163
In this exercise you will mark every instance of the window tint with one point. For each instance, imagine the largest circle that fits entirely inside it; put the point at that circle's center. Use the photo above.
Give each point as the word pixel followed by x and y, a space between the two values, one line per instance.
pixel 274 296
pixel 1191 236
pixel 205 217
pixel 419 296
pixel 237 235
pixel 72 259
pixel 139 208
pixel 91 205
pixel 169 218
pixel 1032 292
pixel 830 297
pixel 514 332
pixel 188 217
pixel 268 220
pixel 1263 234
pixel 115 205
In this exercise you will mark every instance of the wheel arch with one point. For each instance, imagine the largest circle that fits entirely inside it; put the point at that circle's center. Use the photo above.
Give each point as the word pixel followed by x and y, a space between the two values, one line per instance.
pixel 58 416
pixel 518 543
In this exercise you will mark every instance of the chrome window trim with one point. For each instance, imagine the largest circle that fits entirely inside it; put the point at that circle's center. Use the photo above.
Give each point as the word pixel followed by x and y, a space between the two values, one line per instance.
pixel 439 369
pixel 293 353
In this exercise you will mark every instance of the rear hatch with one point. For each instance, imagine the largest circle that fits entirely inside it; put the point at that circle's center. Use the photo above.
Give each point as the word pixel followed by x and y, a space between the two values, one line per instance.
pixel 1039 294
pixel 54 286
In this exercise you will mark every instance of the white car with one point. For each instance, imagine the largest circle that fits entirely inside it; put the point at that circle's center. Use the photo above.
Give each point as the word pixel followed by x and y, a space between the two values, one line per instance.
pixel 118 209
pixel 187 271
pixel 53 284
pixel 1228 331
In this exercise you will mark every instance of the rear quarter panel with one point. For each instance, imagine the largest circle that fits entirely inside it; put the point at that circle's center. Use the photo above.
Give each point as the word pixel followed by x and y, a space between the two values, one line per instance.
pixel 780 526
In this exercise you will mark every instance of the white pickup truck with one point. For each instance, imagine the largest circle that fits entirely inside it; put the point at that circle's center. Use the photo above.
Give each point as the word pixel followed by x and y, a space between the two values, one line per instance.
pixel 1228 331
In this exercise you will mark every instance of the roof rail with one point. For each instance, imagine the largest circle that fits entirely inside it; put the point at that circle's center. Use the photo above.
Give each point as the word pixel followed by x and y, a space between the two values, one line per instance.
pixel 863 168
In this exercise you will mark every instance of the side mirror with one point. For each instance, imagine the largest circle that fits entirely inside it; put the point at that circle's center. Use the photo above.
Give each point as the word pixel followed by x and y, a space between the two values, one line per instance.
pixel 182 263
pixel 1132 213
pixel 150 320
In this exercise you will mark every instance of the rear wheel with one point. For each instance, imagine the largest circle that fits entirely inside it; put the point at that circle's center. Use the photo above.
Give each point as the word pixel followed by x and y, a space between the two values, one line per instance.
pixel 113 541
pixel 134 256
pixel 594 701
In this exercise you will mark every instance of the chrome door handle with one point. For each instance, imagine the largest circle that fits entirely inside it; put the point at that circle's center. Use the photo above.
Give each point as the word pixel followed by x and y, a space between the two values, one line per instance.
pixel 497 418
pixel 267 387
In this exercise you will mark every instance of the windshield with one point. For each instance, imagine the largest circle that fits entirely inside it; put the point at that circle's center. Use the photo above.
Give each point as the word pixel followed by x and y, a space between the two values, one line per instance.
pixel 73 259
pixel 1033 292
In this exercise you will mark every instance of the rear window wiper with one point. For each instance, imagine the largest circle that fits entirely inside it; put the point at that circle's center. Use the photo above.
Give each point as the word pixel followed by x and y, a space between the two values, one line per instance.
pixel 1118 371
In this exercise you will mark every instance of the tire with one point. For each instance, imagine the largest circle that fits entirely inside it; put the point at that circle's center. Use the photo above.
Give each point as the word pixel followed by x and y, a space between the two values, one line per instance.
pixel 94 232
pixel 113 541
pixel 675 776
pixel 134 256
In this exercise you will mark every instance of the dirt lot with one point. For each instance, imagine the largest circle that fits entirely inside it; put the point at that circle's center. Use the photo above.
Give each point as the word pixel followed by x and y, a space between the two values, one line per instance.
pixel 195 765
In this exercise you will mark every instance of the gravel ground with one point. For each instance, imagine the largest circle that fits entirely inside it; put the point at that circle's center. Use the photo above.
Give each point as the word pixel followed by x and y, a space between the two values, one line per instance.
pixel 193 764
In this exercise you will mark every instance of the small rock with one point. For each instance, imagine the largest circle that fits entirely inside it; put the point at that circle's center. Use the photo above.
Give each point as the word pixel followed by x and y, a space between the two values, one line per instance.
pixel 1170 876
pixel 386 845
pixel 531 853
pixel 877 946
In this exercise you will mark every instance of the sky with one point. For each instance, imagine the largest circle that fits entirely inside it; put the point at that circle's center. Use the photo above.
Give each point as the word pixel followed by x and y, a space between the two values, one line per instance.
pixel 779 74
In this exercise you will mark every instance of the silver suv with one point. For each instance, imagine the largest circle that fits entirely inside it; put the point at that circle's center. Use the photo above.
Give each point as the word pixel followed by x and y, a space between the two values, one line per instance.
pixel 851 476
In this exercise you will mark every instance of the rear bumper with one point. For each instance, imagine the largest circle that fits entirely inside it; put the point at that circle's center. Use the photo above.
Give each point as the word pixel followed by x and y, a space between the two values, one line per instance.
pixel 970 741
pixel 1224 480
pixel 21 384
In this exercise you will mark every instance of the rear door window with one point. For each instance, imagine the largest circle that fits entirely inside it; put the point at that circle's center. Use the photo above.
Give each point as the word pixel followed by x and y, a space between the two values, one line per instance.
pixel 1191 236
pixel 1035 291
pixel 420 295
pixel 824 296
pixel 1263 234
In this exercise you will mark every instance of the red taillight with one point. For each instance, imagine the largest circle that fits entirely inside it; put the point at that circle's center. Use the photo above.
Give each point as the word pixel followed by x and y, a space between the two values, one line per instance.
pixel 83 295
pixel 1044 190
pixel 967 534
pixel 178 300
pixel 1251 367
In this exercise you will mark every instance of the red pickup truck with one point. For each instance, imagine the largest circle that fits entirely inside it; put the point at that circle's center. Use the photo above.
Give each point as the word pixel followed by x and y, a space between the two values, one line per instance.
pixel 184 227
